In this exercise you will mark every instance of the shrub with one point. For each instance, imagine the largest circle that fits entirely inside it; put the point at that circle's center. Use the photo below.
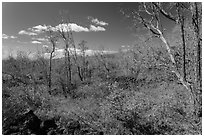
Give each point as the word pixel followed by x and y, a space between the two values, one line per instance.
pixel 165 109
pixel 20 99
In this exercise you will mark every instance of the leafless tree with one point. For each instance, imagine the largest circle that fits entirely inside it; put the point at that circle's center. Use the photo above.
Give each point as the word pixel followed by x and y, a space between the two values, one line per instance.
pixel 153 24
pixel 65 34
pixel 83 48
pixel 196 11
pixel 53 37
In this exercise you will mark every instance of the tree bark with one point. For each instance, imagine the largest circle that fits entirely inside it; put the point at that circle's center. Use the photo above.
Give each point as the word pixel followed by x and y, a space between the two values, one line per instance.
pixel 196 23
pixel 184 47
pixel 50 74
pixel 68 67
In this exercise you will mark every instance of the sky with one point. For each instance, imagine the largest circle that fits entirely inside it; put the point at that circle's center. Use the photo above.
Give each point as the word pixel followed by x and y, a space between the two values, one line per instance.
pixel 101 24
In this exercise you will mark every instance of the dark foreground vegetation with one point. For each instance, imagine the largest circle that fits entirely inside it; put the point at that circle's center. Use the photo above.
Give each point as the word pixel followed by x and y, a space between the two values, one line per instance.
pixel 134 92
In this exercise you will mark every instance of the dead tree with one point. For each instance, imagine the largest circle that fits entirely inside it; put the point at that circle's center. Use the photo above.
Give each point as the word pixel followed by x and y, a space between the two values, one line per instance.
pixel 83 48
pixel 179 18
pixel 53 39
pixel 154 26
pixel 64 32
pixel 75 57
pixel 196 11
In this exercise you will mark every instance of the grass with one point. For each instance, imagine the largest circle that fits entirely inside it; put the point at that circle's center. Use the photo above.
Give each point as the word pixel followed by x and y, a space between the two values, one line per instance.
pixel 150 105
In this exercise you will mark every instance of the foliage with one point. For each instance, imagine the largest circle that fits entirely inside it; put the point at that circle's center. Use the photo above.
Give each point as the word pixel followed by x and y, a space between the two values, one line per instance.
pixel 139 91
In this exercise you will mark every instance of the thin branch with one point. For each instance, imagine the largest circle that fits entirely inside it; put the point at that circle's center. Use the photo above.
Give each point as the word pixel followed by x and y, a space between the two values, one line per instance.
pixel 163 12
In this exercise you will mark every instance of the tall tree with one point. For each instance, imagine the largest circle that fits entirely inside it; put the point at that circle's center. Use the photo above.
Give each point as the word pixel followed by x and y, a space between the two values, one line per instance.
pixel 64 32
pixel 153 24
pixel 196 10
pixel 53 39
pixel 178 18
pixel 83 48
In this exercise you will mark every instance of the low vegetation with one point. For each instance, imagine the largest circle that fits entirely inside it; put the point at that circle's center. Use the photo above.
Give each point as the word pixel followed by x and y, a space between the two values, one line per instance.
pixel 107 103
pixel 140 91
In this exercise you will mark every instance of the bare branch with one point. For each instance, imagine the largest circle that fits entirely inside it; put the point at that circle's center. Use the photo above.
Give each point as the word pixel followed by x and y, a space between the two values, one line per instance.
pixel 163 12
pixel 146 10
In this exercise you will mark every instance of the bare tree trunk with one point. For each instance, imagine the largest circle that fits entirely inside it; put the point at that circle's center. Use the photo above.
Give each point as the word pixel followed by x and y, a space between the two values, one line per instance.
pixel 181 79
pixel 155 26
pixel 84 66
pixel 75 58
pixel 50 74
pixel 184 48
pixel 79 73
pixel 196 23
pixel 66 35
pixel 68 68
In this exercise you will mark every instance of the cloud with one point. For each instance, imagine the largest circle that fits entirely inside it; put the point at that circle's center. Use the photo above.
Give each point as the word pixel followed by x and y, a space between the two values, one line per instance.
pixel 71 27
pixel 36 42
pixel 97 22
pixel 39 29
pixel 61 27
pixel 4 36
pixel 42 28
pixel 40 39
pixel 76 28
pixel 98 28
pixel 13 37
pixel 23 32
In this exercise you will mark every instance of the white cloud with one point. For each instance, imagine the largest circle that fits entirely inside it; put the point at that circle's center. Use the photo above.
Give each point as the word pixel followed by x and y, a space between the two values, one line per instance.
pixel 71 27
pixel 34 31
pixel 40 28
pixel 23 32
pixel 40 39
pixel 13 37
pixel 36 42
pixel 97 22
pixel 77 28
pixel 98 28
pixel 67 27
pixel 4 36
pixel 61 27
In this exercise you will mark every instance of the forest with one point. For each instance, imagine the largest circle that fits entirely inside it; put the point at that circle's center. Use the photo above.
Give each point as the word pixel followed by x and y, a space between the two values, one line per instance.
pixel 154 88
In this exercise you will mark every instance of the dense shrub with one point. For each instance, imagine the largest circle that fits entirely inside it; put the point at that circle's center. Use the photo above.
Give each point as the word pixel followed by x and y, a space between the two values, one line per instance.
pixel 20 99
pixel 165 109
pixel 112 103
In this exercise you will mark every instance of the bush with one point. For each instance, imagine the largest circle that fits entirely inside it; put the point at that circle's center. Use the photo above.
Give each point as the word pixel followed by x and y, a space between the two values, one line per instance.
pixel 165 109
pixel 20 99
